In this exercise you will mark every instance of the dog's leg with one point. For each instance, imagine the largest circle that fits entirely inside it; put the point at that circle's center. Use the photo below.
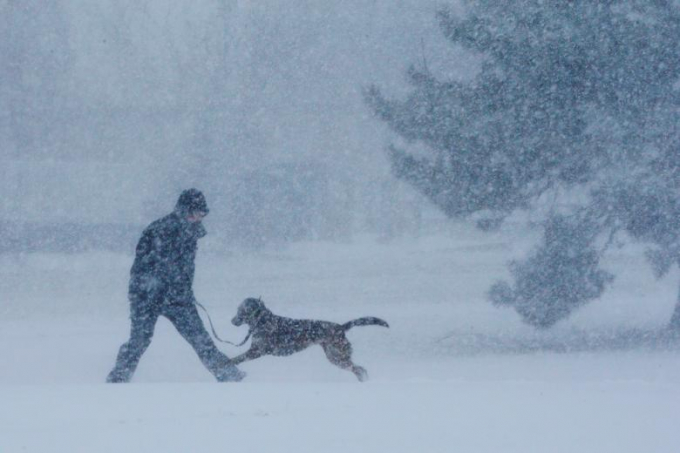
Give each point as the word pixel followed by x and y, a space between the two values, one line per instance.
pixel 339 353
pixel 250 354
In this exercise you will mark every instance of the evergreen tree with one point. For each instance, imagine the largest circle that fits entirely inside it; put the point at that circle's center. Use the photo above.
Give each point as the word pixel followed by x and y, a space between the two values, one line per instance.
pixel 575 101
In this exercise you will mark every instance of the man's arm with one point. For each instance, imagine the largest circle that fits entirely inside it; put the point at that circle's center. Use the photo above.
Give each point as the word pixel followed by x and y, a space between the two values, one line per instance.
pixel 148 252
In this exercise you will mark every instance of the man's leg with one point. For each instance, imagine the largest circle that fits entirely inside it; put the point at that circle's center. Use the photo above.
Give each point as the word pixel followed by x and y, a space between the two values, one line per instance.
pixel 188 323
pixel 143 316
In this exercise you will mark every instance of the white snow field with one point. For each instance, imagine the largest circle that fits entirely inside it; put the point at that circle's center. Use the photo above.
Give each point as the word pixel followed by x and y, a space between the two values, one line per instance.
pixel 452 374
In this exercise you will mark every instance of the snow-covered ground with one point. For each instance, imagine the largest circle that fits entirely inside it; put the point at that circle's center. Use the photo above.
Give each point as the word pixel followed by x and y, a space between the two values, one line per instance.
pixel 452 374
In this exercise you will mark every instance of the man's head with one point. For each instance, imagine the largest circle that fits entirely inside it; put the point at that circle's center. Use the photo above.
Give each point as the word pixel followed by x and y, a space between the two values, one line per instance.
pixel 192 205
pixel 195 217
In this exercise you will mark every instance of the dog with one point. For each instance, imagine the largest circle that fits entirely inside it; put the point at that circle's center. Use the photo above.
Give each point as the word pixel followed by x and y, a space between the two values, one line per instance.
pixel 279 336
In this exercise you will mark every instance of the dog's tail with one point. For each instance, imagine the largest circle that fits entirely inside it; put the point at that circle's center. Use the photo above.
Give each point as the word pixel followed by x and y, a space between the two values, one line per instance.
pixel 368 321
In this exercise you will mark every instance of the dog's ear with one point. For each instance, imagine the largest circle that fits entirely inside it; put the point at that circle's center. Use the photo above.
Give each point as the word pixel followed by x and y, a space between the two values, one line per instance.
pixel 251 304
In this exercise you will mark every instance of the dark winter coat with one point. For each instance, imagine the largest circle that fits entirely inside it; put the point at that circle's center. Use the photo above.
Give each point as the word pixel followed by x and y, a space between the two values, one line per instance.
pixel 164 260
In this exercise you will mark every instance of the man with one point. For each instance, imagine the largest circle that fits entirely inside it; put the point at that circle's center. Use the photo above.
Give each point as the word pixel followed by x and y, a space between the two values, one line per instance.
pixel 161 281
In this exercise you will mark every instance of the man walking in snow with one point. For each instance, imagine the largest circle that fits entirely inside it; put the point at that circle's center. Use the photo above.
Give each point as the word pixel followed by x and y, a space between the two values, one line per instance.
pixel 161 281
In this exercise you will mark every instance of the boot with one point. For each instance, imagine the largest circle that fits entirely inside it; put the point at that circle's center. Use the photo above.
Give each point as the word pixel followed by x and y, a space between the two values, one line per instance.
pixel 229 373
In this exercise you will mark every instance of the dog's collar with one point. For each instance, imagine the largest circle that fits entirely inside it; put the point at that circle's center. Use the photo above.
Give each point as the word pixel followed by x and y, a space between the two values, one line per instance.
pixel 257 316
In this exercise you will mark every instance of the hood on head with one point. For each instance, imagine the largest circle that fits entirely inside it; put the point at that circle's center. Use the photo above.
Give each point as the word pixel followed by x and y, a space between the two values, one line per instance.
pixel 190 201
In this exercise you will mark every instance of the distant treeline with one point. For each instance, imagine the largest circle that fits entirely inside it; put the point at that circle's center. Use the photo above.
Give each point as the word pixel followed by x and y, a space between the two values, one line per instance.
pixel 67 237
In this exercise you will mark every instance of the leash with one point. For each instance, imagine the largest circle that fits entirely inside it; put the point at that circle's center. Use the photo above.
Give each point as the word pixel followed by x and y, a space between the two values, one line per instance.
pixel 215 333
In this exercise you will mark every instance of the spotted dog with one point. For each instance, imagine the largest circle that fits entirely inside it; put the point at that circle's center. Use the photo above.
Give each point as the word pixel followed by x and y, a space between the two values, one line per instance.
pixel 279 336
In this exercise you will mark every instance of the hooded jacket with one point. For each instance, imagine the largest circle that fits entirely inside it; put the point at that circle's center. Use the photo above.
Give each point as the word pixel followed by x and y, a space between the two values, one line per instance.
pixel 166 252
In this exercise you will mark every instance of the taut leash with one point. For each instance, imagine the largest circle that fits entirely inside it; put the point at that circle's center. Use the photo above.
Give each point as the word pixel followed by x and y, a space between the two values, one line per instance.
pixel 217 337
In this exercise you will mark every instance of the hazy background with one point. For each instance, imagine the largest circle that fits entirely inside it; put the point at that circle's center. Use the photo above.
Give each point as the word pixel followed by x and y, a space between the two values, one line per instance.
pixel 111 108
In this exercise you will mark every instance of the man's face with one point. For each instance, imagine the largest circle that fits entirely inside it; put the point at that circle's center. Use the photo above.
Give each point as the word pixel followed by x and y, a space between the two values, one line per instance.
pixel 195 217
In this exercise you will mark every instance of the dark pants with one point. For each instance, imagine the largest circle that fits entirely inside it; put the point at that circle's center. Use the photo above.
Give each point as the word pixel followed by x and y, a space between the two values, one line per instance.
pixel 145 308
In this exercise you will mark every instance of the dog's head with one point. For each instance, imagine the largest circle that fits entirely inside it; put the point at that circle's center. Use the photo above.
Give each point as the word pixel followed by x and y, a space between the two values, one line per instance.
pixel 249 311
